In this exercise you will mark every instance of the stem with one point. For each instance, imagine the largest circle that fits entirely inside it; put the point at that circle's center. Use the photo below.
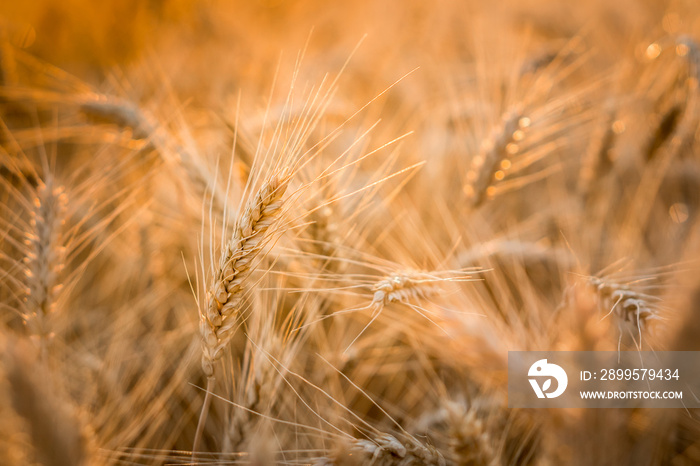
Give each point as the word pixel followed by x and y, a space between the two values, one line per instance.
pixel 202 417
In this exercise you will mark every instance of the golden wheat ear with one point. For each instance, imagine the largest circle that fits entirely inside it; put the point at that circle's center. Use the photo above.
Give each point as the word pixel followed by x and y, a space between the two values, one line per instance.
pixel 227 290
pixel 225 295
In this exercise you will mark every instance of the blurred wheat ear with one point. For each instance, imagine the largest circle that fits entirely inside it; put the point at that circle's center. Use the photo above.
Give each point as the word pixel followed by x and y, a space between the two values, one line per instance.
pixel 55 435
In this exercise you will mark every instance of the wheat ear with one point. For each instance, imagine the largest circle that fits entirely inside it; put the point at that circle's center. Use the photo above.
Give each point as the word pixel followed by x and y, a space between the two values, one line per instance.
pixel 633 309
pixel 387 450
pixel 57 438
pixel 45 257
pixel 597 157
pixel 145 125
pixel 469 440
pixel 629 305
pixel 402 287
pixel 226 292
pixel 489 165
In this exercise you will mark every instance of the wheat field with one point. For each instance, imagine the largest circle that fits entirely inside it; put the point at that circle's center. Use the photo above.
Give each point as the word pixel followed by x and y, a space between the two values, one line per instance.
pixel 275 232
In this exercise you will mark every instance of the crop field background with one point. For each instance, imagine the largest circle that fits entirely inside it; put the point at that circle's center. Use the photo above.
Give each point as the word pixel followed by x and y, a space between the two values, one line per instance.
pixel 271 232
